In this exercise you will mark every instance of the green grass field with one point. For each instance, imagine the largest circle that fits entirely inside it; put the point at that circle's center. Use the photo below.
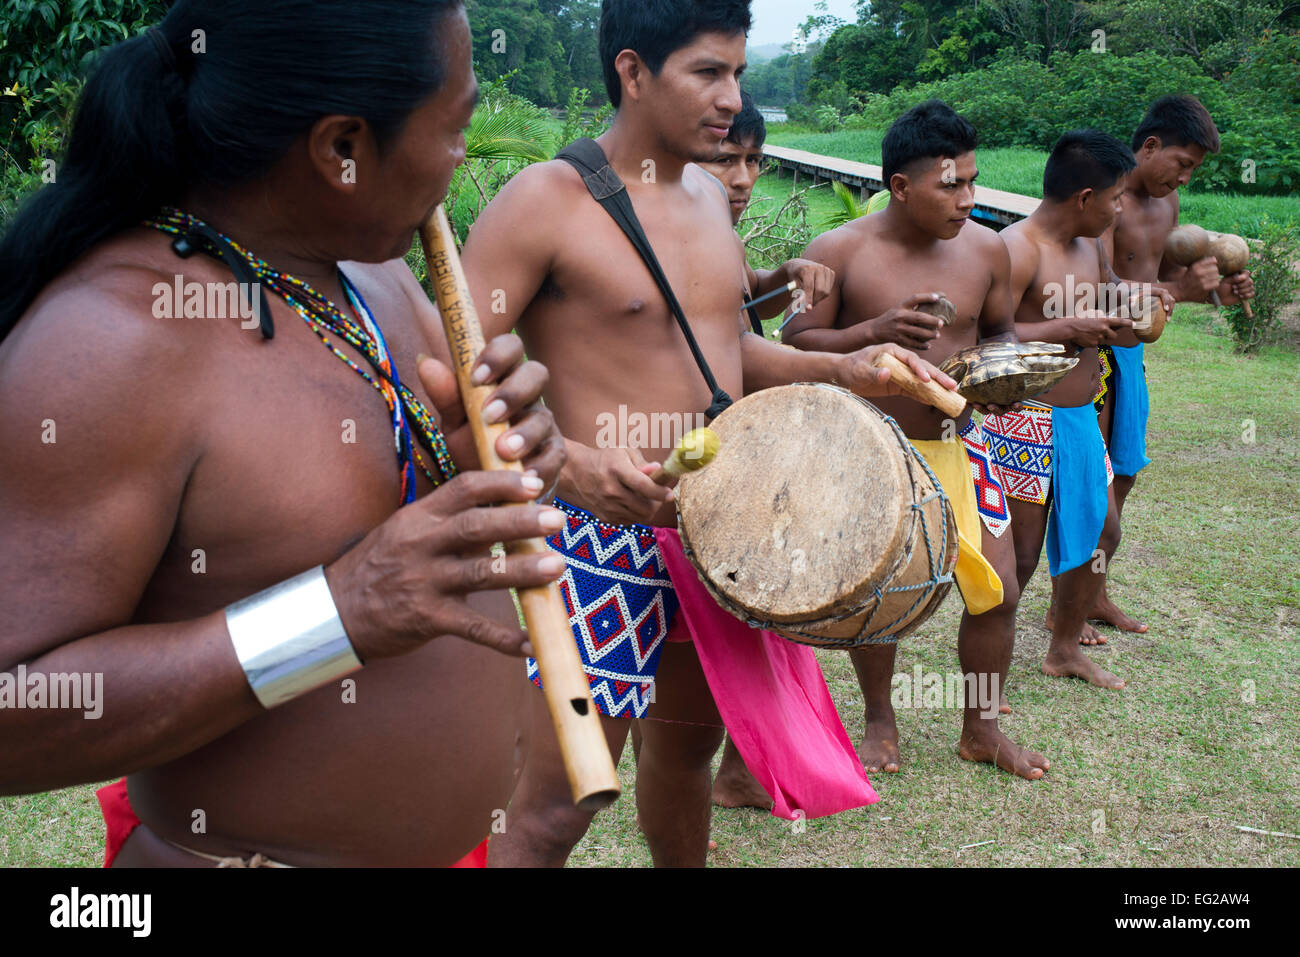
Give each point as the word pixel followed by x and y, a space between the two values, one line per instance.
pixel 1201 742
pixel 1160 774
pixel 1021 171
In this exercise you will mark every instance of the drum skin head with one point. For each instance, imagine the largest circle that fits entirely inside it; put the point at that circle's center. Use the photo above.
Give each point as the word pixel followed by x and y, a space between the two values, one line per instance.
pixel 806 507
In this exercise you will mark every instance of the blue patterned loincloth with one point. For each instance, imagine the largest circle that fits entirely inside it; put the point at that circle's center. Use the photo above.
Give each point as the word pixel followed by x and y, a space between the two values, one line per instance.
pixel 621 606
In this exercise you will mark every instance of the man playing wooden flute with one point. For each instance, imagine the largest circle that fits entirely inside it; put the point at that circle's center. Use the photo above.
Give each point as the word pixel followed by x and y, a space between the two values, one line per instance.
pixel 886 267
pixel 586 304
pixel 219 498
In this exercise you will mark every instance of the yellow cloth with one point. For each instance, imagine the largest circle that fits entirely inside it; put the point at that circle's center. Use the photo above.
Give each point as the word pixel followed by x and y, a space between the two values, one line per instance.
pixel 980 586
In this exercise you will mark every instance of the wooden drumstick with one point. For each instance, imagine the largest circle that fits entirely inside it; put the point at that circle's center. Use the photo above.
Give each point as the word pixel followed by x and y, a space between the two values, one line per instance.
pixel 693 452
pixel 930 393
pixel 592 777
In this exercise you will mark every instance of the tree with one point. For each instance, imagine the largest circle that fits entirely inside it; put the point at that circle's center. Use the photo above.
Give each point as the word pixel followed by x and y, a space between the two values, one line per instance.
pixel 1217 34
pixel 1049 25
pixel 517 36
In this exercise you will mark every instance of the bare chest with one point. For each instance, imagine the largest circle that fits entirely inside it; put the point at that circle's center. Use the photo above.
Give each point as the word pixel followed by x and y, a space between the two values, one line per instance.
pixel 603 327
pixel 299 463
pixel 877 280
pixel 1140 236
pixel 1067 283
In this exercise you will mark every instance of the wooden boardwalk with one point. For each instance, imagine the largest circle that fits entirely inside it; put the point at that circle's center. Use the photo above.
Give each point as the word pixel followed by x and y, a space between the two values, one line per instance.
pixel 993 206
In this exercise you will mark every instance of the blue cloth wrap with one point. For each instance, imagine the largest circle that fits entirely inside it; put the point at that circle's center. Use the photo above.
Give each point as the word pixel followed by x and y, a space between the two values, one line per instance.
pixel 1128 424
pixel 1079 488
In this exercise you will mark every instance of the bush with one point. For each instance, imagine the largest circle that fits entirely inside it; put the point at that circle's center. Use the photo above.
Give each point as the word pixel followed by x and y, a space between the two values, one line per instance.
pixel 828 118
pixel 1021 102
pixel 775 233
pixel 34 140
pixel 1273 269
pixel 47 43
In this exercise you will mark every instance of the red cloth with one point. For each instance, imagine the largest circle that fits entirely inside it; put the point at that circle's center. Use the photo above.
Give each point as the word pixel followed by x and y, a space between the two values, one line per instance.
pixel 120 821
pixel 774 701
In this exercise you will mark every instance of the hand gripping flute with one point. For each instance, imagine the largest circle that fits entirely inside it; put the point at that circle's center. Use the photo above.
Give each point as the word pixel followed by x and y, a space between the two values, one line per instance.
pixel 592 777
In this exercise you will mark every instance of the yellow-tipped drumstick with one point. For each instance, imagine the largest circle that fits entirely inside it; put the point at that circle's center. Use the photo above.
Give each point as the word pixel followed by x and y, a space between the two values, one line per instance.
pixel 693 452
pixel 592 777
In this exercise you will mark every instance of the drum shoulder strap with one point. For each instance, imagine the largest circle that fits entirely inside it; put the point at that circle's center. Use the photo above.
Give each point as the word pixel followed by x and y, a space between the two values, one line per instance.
pixel 586 156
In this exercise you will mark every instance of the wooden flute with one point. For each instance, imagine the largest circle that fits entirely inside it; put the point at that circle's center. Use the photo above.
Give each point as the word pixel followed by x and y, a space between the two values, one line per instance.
pixel 592 777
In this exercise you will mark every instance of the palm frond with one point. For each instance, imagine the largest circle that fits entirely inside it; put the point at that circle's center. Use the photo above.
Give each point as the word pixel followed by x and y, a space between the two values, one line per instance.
pixel 503 131
pixel 850 208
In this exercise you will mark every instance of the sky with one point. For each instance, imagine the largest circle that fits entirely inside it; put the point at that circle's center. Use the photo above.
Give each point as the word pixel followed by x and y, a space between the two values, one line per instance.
pixel 775 20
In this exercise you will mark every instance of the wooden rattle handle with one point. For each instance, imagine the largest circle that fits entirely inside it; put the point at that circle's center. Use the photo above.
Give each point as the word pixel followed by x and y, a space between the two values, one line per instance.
pixel 930 393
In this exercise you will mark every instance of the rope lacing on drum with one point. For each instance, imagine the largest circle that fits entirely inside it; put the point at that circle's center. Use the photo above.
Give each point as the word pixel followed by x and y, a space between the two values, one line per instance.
pixel 881 635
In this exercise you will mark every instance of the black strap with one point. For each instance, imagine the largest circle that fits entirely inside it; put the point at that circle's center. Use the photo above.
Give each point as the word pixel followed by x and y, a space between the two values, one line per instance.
pixel 586 156
pixel 755 322
pixel 187 245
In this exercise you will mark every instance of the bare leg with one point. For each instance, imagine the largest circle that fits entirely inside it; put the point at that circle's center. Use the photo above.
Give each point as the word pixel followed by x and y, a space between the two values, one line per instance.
pixel 679 736
pixel 984 645
pixel 874 665
pixel 1088 635
pixel 542 825
pixel 734 785
pixel 1104 609
pixel 1079 588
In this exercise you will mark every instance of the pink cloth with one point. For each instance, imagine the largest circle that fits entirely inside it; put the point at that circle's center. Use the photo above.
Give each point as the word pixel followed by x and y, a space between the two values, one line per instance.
pixel 774 701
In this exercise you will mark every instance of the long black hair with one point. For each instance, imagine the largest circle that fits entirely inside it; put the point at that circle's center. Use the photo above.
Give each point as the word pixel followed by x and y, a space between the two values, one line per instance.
pixel 215 96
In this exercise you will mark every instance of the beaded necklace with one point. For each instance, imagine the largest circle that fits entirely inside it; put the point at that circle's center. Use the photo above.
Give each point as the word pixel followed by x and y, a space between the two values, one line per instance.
pixel 323 317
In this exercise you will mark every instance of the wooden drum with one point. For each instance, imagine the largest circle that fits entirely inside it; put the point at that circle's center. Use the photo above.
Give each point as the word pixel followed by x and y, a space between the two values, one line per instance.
pixel 818 520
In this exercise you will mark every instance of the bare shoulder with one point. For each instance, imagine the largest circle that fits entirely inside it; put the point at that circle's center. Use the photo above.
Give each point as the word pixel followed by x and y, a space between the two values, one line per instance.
pixel 542 188
pixel 533 211
pixel 700 179
pixel 836 247
pixel 395 276
pixel 1172 206
pixel 981 237
pixel 97 326
pixel 1020 239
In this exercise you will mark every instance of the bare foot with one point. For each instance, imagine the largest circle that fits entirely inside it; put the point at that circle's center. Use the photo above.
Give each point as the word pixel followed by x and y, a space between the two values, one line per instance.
pixel 991 746
pixel 1107 611
pixel 713 845
pixel 879 748
pixel 1088 635
pixel 1079 665
pixel 1004 706
pixel 735 786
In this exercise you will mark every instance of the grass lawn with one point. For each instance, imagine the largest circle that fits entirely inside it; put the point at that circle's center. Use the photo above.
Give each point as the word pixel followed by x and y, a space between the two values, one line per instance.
pixel 1019 170
pixel 1158 774
pixel 1161 773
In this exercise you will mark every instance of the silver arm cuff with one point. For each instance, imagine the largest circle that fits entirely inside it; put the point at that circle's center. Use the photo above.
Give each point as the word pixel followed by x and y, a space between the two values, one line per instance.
pixel 289 638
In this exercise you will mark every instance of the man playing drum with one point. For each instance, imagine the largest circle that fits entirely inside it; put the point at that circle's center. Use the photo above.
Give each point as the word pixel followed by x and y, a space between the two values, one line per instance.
pixel 737 166
pixel 167 481
pixel 557 264
pixel 886 267
pixel 1051 452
